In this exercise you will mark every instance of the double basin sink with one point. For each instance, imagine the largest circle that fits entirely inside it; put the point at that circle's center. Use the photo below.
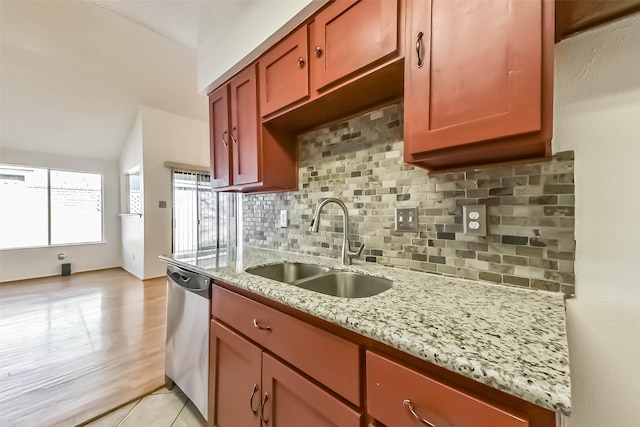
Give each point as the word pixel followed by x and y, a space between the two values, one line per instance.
pixel 325 280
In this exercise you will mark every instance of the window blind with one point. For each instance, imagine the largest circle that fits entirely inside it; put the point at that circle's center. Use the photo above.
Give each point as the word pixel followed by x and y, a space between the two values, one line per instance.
pixel 195 208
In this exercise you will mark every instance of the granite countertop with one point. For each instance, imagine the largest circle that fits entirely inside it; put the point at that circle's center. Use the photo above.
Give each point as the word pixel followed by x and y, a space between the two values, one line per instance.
pixel 509 338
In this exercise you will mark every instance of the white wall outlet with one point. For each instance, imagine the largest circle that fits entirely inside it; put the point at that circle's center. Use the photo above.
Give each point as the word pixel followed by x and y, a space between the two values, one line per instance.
pixel 61 257
pixel 284 221
pixel 407 219
pixel 475 219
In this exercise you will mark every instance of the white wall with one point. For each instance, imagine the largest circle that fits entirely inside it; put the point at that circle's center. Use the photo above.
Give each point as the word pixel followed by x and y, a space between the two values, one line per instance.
pixel 132 226
pixel 21 264
pixel 598 115
pixel 259 25
pixel 166 138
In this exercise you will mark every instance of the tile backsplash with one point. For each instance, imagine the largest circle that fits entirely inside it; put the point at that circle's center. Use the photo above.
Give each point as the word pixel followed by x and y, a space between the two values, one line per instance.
pixel 530 209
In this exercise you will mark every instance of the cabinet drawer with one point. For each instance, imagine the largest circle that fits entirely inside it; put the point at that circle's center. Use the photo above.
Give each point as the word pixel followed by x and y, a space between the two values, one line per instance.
pixel 328 359
pixel 389 384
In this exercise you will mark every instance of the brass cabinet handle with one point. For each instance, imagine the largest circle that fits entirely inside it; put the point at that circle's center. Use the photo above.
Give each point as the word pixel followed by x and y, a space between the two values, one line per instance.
pixel 235 141
pixel 253 393
pixel 223 141
pixel 301 62
pixel 318 51
pixel 264 402
pixel 259 326
pixel 409 406
pixel 419 49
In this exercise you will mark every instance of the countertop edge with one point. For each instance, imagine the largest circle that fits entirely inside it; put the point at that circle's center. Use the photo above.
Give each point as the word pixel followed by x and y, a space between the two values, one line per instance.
pixel 556 397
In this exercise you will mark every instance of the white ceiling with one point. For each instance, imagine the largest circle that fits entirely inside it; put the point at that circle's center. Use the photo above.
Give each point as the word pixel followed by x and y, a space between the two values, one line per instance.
pixel 188 22
pixel 73 73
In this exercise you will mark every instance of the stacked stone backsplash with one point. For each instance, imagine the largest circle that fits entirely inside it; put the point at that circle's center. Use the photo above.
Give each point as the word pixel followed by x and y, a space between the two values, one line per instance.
pixel 530 209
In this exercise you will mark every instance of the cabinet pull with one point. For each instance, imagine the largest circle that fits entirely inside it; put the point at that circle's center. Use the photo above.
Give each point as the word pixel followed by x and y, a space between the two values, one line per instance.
pixel 264 402
pixel 235 141
pixel 301 62
pixel 419 49
pixel 259 326
pixel 253 393
pixel 409 406
pixel 223 141
pixel 318 51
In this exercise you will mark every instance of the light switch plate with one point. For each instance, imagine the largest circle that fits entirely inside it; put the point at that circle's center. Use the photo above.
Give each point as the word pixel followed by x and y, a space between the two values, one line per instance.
pixel 284 221
pixel 475 219
pixel 407 219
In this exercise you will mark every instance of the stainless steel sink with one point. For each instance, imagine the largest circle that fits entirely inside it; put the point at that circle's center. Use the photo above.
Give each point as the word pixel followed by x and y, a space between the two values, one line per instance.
pixel 346 284
pixel 288 272
pixel 324 280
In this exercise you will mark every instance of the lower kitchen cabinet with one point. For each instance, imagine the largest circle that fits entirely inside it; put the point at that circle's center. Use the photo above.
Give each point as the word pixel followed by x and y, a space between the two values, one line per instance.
pixel 273 366
pixel 290 400
pixel 398 396
pixel 234 380
pixel 250 388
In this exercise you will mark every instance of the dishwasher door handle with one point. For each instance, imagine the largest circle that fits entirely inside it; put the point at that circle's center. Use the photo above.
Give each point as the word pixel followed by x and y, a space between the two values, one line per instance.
pixel 188 279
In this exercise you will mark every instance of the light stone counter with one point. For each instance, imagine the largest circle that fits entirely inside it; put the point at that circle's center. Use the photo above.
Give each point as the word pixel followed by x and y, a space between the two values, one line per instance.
pixel 509 338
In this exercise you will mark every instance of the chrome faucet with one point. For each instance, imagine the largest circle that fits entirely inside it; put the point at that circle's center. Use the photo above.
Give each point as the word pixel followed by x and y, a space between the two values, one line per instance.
pixel 347 253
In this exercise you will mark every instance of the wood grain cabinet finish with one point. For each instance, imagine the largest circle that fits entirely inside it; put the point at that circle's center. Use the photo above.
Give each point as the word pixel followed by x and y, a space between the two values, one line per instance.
pixel 350 35
pixel 332 361
pixel 233 121
pixel 284 72
pixel 235 378
pixel 293 401
pixel 249 388
pixel 245 142
pixel 219 137
pixel 306 376
pixel 246 155
pixel 478 81
pixel 394 391
pixel 574 16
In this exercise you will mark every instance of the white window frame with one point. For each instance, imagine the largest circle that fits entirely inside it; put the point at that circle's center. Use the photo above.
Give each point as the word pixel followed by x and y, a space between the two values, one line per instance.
pixel 49 244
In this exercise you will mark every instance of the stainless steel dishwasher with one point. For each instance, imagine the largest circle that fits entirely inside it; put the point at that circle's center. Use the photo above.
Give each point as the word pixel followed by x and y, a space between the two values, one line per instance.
pixel 187 344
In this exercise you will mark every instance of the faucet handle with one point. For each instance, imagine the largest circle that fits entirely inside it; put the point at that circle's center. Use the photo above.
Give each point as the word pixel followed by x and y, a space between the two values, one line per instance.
pixel 357 253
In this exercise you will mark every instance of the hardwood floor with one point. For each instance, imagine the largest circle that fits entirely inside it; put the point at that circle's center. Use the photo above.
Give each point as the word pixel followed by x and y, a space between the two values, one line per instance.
pixel 72 348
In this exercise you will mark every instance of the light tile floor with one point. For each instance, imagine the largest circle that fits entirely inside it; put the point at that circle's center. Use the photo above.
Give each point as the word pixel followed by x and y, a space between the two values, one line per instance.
pixel 163 408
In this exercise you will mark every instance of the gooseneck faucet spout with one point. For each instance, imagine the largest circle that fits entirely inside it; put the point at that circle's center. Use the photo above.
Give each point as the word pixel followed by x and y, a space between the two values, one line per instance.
pixel 347 253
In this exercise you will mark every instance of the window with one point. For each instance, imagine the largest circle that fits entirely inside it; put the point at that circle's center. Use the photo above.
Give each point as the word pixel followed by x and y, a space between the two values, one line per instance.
pixel 42 207
pixel 194 213
pixel 135 196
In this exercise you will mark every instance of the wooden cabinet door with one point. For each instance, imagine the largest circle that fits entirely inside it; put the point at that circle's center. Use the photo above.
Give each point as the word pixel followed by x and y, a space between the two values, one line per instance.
pixel 475 74
pixel 284 73
pixel 328 359
pixel 293 401
pixel 394 391
pixel 245 141
pixel 234 388
pixel 219 137
pixel 352 34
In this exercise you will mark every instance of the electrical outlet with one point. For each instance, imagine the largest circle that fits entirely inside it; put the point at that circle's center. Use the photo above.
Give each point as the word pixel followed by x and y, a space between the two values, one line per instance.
pixel 407 219
pixel 284 221
pixel 475 219
pixel 60 256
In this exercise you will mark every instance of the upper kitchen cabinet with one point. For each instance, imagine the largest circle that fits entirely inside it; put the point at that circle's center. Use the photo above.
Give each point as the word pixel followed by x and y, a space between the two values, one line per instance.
pixel 284 72
pixel 245 144
pixel 350 35
pixel 247 156
pixel 233 117
pixel 219 137
pixel 478 82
